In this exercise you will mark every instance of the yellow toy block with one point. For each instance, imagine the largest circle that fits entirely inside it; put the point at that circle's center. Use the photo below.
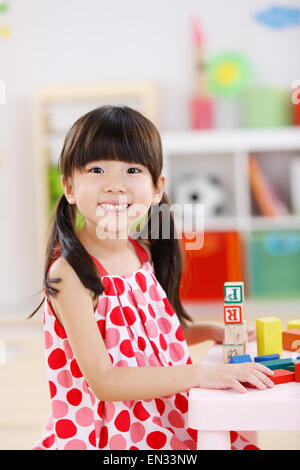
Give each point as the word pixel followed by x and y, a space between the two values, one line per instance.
pixel 293 324
pixel 269 336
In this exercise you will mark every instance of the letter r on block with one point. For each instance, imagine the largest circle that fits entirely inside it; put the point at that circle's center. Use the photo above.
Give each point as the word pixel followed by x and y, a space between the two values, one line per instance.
pixel 233 314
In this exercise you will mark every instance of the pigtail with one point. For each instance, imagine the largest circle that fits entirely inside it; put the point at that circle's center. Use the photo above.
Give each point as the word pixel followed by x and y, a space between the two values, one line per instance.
pixel 167 255
pixel 63 241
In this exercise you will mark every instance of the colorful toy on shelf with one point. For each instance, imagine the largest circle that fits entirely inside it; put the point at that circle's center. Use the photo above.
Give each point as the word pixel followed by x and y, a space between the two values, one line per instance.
pixel 201 105
pixel 291 339
pixel 282 376
pixel 269 337
pixel 235 337
pixel 267 357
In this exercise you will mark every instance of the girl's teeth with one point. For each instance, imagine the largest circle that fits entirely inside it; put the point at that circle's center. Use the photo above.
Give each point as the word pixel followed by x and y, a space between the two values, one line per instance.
pixel 113 207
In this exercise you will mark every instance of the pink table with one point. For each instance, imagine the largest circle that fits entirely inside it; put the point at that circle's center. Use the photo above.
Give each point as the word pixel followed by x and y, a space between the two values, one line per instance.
pixel 213 413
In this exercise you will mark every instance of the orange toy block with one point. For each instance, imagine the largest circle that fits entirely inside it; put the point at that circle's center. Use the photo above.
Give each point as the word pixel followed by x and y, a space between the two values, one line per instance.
pixel 297 372
pixel 291 339
pixel 282 376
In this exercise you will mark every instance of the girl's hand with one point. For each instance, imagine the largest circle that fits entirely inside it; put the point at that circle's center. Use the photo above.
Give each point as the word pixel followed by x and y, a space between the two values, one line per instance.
pixel 233 375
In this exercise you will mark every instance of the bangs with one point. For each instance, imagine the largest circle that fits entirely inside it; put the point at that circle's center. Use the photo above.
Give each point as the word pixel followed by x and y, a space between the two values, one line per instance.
pixel 112 133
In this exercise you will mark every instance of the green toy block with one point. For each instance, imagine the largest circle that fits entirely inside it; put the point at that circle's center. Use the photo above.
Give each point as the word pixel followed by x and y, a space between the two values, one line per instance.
pixel 291 368
pixel 279 363
pixel 233 292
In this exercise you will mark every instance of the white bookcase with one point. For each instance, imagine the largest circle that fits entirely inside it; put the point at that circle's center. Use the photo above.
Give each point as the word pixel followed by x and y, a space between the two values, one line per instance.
pixel 225 154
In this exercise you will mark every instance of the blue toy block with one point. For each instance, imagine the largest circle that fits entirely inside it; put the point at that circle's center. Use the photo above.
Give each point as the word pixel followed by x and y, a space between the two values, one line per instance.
pixel 240 359
pixel 297 358
pixel 268 357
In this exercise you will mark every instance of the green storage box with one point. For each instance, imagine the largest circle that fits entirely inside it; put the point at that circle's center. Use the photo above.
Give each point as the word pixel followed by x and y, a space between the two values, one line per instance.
pixel 274 264
pixel 267 107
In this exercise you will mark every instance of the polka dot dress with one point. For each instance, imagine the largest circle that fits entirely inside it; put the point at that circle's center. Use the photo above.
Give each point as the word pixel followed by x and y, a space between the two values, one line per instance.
pixel 139 328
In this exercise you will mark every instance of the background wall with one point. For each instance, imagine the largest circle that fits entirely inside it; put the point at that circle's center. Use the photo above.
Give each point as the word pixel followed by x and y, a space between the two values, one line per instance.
pixel 58 42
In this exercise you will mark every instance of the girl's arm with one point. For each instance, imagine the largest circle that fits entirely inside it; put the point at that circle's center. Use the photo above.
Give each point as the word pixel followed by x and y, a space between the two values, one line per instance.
pixel 74 308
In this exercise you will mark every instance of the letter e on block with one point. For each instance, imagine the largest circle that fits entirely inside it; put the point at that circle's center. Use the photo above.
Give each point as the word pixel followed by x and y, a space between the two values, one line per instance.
pixel 233 314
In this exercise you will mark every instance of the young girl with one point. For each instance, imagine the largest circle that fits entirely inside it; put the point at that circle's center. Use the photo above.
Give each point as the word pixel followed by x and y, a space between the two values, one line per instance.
pixel 116 333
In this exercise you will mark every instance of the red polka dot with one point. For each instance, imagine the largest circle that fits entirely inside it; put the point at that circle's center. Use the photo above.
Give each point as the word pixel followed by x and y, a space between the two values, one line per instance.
pixel 153 292
pixel 251 447
pixel 59 330
pixel 49 441
pixel 57 359
pixel 103 437
pixel 84 416
pixel 112 337
pixel 141 343
pixel 193 433
pixel 155 348
pixel 140 412
pixel 165 325
pixel 116 316
pixel 160 405
pixel 140 359
pixel 141 281
pixel 53 390
pixel 48 339
pixel 126 348
pixel 92 438
pixel 179 334
pixel 101 325
pixel 175 419
pixel 142 315
pixel 137 432
pixel 76 372
pixel 103 305
pixel 117 442
pixel 176 352
pixel 156 440
pixel 233 436
pixel 65 428
pixel 168 307
pixel 109 287
pixel 74 396
pixel 75 444
pixel 129 315
pixel 151 311
pixel 119 284
pixel 64 378
pixel 133 448
pixel 67 349
pixel 163 342
pixel 122 421
pixel 181 403
pixel 176 444
pixel 59 409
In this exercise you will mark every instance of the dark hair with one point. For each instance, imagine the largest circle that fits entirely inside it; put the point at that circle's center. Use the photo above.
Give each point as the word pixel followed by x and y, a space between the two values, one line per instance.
pixel 123 134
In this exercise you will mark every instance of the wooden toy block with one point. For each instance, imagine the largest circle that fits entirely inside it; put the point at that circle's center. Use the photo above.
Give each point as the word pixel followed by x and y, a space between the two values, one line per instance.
pixel 282 376
pixel 297 372
pixel 233 292
pixel 230 350
pixel 240 359
pixel 233 314
pixel 291 339
pixel 266 357
pixel 235 333
pixel 269 337
pixel 293 324
pixel 279 363
pixel 291 368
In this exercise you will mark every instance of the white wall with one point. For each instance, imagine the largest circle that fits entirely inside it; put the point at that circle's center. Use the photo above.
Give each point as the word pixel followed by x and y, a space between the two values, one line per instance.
pixel 58 41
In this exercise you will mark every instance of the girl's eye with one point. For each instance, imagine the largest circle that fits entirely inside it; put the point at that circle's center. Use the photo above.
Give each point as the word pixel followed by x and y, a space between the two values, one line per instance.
pixel 133 168
pixel 96 168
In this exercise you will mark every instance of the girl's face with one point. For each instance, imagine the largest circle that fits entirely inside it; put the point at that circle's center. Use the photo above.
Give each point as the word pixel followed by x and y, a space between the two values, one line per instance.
pixel 112 194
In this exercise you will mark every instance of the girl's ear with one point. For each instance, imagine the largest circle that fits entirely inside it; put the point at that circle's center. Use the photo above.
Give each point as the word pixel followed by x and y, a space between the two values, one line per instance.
pixel 159 190
pixel 68 189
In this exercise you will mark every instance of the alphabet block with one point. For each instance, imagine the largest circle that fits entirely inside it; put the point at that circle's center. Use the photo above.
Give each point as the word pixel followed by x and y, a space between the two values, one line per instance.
pixel 235 333
pixel 293 324
pixel 279 363
pixel 297 372
pixel 233 314
pixel 282 376
pixel 291 339
pixel 266 357
pixel 240 359
pixel 233 292
pixel 269 337
pixel 230 350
